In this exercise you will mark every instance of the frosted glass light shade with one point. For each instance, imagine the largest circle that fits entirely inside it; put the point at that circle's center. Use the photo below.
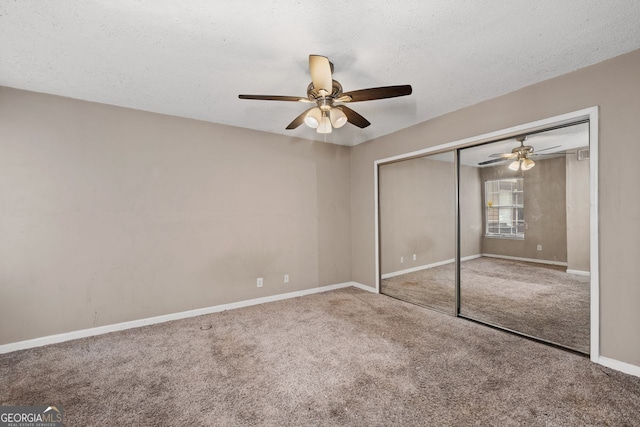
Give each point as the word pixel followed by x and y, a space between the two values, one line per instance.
pixel 313 118
pixel 325 125
pixel 515 165
pixel 527 164
pixel 338 118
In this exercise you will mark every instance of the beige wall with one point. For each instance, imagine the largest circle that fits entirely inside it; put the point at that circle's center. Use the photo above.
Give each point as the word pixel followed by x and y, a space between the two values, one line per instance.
pixel 545 212
pixel 471 225
pixel 615 87
pixel 109 214
pixel 577 213
pixel 416 213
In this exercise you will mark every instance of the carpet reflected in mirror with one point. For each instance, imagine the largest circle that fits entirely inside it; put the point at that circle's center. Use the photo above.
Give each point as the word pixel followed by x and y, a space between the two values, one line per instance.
pixel 535 299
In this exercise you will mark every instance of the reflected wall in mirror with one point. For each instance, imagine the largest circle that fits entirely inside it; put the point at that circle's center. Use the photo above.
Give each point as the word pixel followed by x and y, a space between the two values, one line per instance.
pixel 417 231
pixel 531 273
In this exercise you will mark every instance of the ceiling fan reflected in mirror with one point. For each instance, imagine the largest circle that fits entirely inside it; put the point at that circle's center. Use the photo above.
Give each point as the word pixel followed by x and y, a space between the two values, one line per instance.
pixel 329 111
pixel 521 156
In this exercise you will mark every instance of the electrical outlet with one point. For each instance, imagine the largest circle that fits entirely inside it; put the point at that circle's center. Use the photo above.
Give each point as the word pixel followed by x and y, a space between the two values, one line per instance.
pixel 414 257
pixel 539 247
pixel 286 278
pixel 401 259
pixel 260 281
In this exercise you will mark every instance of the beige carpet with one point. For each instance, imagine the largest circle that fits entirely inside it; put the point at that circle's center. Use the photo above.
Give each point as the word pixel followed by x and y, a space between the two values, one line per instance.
pixel 536 299
pixel 342 358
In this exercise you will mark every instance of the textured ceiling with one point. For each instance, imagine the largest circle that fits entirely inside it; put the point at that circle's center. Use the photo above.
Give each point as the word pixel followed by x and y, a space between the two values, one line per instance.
pixel 193 58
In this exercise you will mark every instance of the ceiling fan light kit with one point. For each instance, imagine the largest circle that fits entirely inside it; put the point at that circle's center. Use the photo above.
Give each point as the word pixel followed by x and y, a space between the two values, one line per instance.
pixel 525 164
pixel 327 94
pixel 521 156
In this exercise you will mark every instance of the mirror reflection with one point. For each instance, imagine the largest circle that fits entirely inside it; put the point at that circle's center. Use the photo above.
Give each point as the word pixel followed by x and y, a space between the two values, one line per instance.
pixel 526 203
pixel 417 231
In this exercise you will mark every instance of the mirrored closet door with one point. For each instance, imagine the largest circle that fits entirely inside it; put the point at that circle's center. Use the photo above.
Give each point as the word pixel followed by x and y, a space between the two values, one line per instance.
pixel 417 230
pixel 524 235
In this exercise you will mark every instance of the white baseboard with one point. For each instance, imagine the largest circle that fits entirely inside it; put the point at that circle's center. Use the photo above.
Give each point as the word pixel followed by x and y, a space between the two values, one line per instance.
pixel 417 268
pixel 371 289
pixel 83 333
pixel 579 272
pixel 427 266
pixel 517 258
pixel 624 367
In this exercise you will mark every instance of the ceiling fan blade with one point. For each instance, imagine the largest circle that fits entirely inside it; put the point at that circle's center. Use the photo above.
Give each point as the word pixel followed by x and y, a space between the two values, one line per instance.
pixel 320 70
pixel 488 162
pixel 299 120
pixel 550 148
pixel 505 155
pixel 353 117
pixel 275 98
pixel 547 155
pixel 376 93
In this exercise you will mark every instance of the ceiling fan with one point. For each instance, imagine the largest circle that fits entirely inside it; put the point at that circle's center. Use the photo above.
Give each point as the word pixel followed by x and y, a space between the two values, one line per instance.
pixel 521 156
pixel 329 111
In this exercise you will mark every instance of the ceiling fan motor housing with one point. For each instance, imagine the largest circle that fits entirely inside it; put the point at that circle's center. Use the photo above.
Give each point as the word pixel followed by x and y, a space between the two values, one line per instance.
pixel 314 95
pixel 523 151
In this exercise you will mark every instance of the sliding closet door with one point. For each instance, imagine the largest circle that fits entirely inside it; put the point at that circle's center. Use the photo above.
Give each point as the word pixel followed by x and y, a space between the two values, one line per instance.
pixel 417 231
pixel 524 231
